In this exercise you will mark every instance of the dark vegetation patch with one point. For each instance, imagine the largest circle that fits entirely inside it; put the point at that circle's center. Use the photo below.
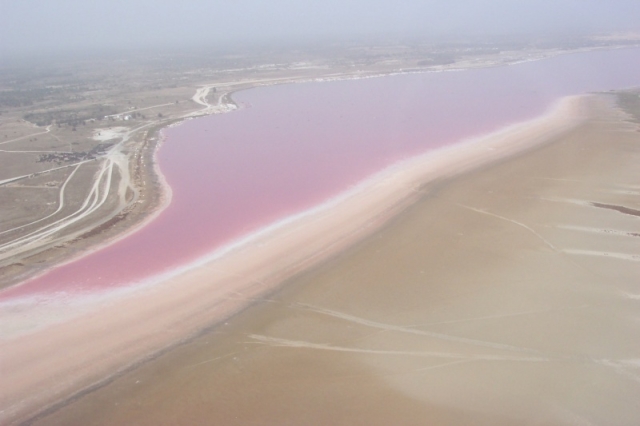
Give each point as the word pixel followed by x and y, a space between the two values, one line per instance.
pixel 438 59
pixel 70 117
pixel 104 227
pixel 25 97
pixel 67 157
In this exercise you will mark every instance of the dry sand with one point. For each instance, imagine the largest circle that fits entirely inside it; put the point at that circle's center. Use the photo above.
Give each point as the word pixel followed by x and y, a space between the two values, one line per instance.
pixel 476 304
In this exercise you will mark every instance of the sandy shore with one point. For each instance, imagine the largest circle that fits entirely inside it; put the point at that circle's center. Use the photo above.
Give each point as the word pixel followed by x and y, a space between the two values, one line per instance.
pixel 505 295
pixel 87 350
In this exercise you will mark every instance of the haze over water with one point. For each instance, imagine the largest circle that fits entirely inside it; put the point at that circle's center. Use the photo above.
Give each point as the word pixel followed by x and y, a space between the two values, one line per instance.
pixel 292 147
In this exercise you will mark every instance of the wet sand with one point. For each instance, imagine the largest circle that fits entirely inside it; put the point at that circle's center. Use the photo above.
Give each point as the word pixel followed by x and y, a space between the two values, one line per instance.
pixel 507 295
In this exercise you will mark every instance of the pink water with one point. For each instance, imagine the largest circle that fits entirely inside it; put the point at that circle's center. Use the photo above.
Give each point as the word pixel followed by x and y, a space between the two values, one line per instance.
pixel 293 146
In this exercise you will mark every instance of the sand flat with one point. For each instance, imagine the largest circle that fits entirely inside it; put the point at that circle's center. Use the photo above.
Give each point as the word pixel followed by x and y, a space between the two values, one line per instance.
pixel 477 305
pixel 89 340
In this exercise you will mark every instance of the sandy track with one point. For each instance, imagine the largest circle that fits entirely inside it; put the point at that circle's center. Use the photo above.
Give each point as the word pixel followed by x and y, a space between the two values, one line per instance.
pixel 60 204
pixel 17 178
pixel 47 130
pixel 98 194
pixel 90 209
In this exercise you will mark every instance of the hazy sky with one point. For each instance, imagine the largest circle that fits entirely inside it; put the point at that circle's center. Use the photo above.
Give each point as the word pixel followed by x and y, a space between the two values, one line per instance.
pixel 47 24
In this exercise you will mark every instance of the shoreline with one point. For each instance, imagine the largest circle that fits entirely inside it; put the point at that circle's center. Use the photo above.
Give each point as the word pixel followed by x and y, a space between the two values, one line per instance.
pixel 160 192
pixel 164 196
pixel 248 271
pixel 113 226
pixel 390 172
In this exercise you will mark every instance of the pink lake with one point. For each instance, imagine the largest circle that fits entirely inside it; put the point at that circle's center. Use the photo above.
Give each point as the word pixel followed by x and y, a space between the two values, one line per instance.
pixel 291 147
